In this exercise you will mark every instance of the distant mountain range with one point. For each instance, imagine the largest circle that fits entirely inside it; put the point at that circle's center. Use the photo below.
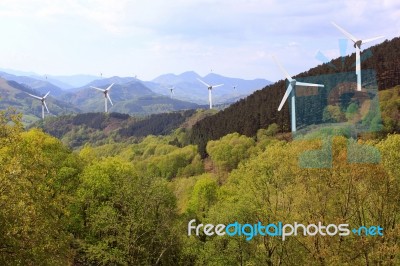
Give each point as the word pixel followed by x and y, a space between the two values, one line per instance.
pixel 63 82
pixel 129 95
pixel 14 94
pixel 188 87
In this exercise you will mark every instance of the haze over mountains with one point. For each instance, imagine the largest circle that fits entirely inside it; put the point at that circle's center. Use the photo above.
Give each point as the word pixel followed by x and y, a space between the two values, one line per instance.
pixel 129 94
pixel 187 87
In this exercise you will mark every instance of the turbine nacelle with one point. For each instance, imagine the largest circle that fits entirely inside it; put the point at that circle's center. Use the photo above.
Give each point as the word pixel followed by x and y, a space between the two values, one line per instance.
pixel 358 44
pixel 290 92
pixel 43 100
pixel 209 87
pixel 106 95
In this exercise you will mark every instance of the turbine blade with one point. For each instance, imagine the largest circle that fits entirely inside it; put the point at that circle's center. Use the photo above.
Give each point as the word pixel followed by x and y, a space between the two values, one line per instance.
pixel 321 57
pixel 45 105
pixel 203 82
pixel 372 39
pixel 287 93
pixel 286 74
pixel 343 47
pixel 109 87
pixel 348 35
pixel 34 96
pixel 97 88
pixel 219 85
pixel 108 96
pixel 308 84
pixel 44 97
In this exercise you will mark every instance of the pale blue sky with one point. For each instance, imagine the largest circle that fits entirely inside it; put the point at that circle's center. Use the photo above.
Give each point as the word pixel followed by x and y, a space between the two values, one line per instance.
pixel 148 38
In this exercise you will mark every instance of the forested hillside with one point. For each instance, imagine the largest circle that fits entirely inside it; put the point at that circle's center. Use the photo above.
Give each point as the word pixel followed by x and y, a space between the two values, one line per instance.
pixel 259 110
pixel 101 128
pixel 129 203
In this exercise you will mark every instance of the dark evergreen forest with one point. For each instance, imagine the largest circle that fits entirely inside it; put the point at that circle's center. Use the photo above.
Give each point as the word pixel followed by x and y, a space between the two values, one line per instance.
pixel 380 66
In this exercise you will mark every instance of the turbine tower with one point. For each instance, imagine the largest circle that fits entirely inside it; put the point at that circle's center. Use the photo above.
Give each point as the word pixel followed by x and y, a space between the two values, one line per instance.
pixel 357 45
pixel 43 100
pixel 171 91
pixel 291 90
pixel 106 95
pixel 210 87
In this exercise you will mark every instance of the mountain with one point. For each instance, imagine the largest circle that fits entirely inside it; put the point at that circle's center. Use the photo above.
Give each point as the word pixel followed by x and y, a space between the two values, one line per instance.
pixel 42 86
pixel 73 81
pixel 14 94
pixel 188 88
pixel 63 82
pixel 259 110
pixel 129 95
pixel 105 82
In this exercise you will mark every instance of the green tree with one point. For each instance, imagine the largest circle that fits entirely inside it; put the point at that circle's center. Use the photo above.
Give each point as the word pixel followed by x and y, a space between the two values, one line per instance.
pixel 37 179
pixel 333 114
pixel 124 218
pixel 227 152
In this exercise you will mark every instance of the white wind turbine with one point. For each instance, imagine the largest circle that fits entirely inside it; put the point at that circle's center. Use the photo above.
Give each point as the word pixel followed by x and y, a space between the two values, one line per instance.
pixel 210 87
pixel 43 100
pixel 357 45
pixel 291 90
pixel 106 95
pixel 171 91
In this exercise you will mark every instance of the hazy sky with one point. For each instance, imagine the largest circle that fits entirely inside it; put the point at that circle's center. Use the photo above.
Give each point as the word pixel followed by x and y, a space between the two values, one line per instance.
pixel 148 38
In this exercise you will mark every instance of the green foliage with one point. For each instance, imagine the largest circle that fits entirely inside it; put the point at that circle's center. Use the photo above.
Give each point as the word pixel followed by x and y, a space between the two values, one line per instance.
pixel 390 109
pixel 227 152
pixel 272 130
pixel 128 203
pixel 351 111
pixel 124 217
pixel 203 196
pixel 271 187
pixel 332 113
pixel 38 177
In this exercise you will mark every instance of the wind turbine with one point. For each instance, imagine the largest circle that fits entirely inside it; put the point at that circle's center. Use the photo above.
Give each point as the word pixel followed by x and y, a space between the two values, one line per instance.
pixel 235 91
pixel 43 100
pixel 210 87
pixel 291 90
pixel 106 96
pixel 357 45
pixel 171 91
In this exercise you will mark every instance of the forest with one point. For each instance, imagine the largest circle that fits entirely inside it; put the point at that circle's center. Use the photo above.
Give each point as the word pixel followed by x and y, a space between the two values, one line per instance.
pixel 381 70
pixel 129 202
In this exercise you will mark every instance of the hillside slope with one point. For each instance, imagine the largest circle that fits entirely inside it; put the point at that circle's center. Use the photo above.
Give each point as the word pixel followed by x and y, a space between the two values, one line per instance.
pixel 99 128
pixel 260 109
pixel 13 94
